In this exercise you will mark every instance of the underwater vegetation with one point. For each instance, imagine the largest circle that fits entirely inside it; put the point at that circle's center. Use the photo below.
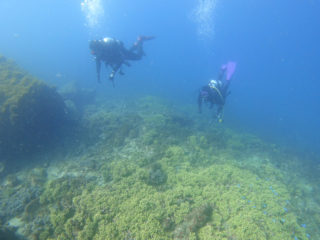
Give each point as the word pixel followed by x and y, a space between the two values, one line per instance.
pixel 76 98
pixel 148 171
pixel 31 112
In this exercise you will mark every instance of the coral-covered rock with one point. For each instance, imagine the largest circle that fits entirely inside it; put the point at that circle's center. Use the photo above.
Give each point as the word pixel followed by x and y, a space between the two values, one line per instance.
pixel 157 175
pixel 31 112
pixel 195 220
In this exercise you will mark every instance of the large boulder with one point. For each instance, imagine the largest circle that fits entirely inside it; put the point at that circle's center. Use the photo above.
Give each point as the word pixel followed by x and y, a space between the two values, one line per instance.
pixel 31 112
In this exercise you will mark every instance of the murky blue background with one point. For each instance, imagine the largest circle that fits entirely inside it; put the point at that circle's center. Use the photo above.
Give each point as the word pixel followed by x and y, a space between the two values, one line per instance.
pixel 275 91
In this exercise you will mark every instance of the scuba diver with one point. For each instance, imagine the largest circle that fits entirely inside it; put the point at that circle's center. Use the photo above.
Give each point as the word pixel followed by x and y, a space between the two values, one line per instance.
pixel 216 92
pixel 113 53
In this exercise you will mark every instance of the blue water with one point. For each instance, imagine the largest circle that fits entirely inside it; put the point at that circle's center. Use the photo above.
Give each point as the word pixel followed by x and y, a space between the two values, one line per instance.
pixel 275 91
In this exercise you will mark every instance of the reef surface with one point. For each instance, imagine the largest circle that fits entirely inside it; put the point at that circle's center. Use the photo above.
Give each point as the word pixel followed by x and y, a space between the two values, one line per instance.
pixel 148 169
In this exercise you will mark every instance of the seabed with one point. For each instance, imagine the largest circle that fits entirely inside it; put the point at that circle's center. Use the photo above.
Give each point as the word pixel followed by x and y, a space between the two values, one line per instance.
pixel 146 169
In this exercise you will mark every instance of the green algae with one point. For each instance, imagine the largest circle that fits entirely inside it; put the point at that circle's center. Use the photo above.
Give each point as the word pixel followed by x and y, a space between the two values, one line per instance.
pixel 62 190
pixel 193 200
pixel 30 110
pixel 212 184
pixel 111 127
pixel 132 209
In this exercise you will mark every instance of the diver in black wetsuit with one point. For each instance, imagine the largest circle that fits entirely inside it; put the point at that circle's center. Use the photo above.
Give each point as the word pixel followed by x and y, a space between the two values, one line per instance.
pixel 216 92
pixel 113 53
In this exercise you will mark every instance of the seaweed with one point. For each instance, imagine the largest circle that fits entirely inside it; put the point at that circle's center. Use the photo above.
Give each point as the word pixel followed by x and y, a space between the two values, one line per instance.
pixel 156 175
pixel 193 221
pixel 31 112
pixel 188 183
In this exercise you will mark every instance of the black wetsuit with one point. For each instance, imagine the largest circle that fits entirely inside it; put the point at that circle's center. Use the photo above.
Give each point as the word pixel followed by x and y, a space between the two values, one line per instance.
pixel 113 53
pixel 214 96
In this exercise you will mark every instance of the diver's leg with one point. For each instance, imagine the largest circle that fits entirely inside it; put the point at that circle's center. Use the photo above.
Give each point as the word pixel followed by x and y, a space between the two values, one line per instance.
pixel 224 88
pixel 136 51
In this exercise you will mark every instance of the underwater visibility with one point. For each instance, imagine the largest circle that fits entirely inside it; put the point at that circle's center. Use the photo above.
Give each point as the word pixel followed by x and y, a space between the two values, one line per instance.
pixel 140 120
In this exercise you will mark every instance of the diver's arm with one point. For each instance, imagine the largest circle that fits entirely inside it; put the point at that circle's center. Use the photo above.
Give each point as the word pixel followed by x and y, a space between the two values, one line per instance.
pixel 219 113
pixel 115 68
pixel 98 68
pixel 219 109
